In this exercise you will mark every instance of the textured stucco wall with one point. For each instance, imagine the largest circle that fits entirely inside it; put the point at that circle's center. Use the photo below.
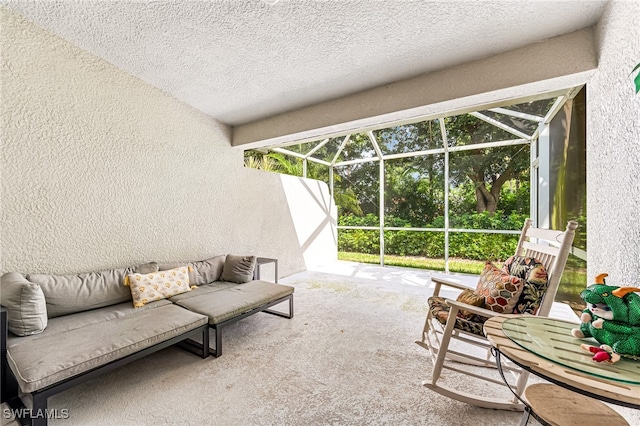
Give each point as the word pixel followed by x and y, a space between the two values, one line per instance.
pixel 102 170
pixel 613 149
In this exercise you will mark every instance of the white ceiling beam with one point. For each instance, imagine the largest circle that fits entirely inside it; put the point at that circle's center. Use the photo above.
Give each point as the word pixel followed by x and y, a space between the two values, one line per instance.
pixel 488 145
pixel 500 125
pixel 413 154
pixel 317 147
pixel 319 161
pixel 287 152
pixel 300 156
pixel 518 114
pixel 436 151
pixel 356 161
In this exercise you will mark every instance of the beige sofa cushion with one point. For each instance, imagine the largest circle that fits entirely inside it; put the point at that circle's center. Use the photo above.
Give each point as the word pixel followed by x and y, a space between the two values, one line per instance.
pixel 67 294
pixel 80 349
pixel 202 271
pixel 25 304
pixel 238 269
pixel 224 304
pixel 209 270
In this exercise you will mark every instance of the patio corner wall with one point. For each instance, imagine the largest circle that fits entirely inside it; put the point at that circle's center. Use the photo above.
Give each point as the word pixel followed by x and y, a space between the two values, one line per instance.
pixel 102 170
pixel 613 149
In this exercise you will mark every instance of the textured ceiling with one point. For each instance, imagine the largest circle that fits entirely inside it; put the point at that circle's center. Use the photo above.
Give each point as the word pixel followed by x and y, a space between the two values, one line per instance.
pixel 243 60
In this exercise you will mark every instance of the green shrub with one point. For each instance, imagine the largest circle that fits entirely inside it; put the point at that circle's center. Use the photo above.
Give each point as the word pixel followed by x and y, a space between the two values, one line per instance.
pixel 467 245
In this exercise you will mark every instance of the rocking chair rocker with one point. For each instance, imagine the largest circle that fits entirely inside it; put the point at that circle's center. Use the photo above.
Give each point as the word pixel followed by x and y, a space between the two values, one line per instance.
pixel 536 246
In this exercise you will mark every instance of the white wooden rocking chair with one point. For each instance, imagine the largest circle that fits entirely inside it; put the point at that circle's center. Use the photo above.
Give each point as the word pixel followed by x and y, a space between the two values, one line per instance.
pixel 549 247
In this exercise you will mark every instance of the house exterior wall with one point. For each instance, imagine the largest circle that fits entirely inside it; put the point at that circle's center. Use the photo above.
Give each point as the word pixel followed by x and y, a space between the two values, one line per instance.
pixel 613 149
pixel 101 170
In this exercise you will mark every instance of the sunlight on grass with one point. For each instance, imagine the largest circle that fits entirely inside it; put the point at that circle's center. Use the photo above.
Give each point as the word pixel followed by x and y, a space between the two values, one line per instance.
pixel 455 265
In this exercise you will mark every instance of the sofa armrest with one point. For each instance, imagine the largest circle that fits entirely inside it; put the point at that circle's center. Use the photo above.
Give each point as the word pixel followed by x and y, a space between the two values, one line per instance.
pixel 4 319
pixel 8 385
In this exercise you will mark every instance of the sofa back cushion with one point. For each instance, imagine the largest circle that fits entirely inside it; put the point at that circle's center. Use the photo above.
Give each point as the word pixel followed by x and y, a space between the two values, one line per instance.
pixel 67 294
pixel 25 304
pixel 202 271
pixel 208 271
pixel 238 269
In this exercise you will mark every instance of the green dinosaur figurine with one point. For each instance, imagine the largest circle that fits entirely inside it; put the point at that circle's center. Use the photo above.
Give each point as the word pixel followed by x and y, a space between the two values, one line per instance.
pixel 612 317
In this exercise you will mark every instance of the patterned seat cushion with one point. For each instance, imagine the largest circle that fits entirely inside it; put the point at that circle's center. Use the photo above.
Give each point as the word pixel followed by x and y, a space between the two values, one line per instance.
pixel 440 310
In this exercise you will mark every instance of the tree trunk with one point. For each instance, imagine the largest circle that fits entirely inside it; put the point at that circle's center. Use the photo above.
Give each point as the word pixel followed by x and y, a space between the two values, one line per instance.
pixel 487 200
pixel 481 203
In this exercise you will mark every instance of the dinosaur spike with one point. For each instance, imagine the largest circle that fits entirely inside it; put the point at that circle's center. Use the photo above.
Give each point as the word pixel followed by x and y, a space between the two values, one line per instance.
pixel 600 278
pixel 623 291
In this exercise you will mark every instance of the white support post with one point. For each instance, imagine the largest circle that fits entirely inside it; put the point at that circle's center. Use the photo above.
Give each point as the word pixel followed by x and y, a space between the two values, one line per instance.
pixel 443 130
pixel 376 148
pixel 381 215
pixel 542 185
pixel 533 177
pixel 331 182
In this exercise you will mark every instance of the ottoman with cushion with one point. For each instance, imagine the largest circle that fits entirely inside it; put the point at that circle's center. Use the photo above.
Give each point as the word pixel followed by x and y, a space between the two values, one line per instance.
pixel 234 295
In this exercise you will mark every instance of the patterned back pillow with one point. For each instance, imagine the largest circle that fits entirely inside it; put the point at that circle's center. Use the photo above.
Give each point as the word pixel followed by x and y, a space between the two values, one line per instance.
pixel 535 279
pixel 500 289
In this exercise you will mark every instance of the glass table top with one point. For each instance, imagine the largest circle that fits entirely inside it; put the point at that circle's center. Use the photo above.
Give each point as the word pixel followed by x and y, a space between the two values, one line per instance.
pixel 551 339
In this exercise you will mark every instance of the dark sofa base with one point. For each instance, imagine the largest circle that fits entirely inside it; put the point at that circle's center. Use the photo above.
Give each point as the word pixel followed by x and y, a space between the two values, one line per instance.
pixel 217 350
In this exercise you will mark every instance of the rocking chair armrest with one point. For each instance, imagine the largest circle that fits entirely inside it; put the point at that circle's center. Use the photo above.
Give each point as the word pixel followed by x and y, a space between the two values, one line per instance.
pixel 442 281
pixel 457 306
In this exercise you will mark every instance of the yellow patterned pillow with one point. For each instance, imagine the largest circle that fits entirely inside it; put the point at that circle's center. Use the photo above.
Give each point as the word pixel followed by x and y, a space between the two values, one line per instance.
pixel 146 288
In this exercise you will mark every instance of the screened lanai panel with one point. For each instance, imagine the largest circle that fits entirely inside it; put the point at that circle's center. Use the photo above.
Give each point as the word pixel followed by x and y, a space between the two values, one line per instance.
pixel 414 137
pixel 358 147
pixel 356 193
pixel 414 191
pixel 526 126
pixel 467 129
pixel 489 188
pixel 523 117
pixel 404 246
pixel 270 161
pixel 302 148
pixel 357 190
pixel 482 246
pixel 325 150
pixel 567 191
pixel 538 108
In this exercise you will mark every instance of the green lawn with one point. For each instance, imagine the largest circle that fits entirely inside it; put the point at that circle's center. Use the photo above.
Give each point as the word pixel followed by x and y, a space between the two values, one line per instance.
pixel 455 265
pixel 573 279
